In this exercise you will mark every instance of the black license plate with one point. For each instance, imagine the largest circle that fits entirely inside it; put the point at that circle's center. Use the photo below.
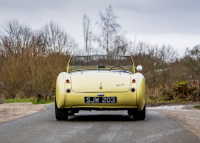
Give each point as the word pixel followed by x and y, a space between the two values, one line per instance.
pixel 100 99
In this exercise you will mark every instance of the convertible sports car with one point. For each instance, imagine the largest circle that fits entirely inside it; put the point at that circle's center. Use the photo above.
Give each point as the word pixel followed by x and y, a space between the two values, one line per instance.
pixel 100 82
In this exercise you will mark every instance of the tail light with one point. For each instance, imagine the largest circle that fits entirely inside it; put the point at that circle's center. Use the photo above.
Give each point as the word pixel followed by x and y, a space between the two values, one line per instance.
pixel 67 81
pixel 133 80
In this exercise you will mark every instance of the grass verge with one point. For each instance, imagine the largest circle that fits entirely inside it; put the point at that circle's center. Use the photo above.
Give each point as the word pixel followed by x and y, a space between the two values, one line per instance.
pixel 43 101
pixel 198 106
pixel 34 101
pixel 18 100
pixel 150 101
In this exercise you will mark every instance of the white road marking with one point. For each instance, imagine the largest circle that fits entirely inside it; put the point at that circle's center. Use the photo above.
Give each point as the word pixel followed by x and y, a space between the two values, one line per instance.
pixel 176 107
pixel 110 134
pixel 74 131
pixel 154 137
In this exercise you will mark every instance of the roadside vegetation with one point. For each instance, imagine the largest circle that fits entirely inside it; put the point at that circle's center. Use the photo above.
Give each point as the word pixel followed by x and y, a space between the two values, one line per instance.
pixel 198 106
pixel 180 93
pixel 18 100
pixel 33 100
pixel 30 60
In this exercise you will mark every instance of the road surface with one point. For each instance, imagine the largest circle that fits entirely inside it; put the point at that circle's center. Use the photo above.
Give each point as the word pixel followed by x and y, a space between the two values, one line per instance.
pixel 95 127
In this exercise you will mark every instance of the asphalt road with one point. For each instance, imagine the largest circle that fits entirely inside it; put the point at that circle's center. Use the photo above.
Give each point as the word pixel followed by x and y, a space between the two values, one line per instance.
pixel 95 127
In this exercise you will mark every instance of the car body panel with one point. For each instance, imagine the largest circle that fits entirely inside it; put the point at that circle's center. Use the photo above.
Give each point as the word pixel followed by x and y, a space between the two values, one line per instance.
pixel 140 91
pixel 100 81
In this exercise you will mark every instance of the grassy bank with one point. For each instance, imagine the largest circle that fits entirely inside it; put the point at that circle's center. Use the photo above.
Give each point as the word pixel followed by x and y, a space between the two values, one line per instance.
pixel 175 101
pixel 198 106
pixel 181 92
pixel 33 100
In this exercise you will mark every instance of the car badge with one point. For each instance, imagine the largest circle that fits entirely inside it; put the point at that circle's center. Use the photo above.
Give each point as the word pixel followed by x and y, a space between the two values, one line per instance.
pixel 100 94
pixel 100 87
pixel 120 84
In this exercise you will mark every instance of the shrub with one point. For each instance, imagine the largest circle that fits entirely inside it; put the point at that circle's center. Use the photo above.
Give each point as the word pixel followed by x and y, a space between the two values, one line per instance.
pixel 181 90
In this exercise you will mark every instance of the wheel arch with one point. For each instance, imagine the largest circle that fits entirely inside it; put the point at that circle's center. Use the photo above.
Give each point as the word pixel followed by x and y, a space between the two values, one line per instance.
pixel 60 89
pixel 140 91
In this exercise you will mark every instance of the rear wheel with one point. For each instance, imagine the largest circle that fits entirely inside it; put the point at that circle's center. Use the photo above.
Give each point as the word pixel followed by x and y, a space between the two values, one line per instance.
pixel 61 114
pixel 140 115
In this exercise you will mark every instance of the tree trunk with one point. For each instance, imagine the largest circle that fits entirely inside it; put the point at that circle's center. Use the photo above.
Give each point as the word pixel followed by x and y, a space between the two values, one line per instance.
pixel 199 86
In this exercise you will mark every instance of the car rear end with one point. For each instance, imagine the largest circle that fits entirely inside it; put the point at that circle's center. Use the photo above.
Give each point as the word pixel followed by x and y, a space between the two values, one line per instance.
pixel 100 83
pixel 100 90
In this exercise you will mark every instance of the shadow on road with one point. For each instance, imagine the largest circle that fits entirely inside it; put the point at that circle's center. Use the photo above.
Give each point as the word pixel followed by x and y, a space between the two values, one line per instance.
pixel 119 118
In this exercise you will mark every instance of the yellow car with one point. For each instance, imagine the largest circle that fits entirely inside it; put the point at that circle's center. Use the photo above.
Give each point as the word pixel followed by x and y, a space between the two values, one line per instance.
pixel 100 82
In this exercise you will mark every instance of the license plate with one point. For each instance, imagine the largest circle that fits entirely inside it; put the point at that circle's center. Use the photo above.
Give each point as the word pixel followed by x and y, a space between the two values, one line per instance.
pixel 100 99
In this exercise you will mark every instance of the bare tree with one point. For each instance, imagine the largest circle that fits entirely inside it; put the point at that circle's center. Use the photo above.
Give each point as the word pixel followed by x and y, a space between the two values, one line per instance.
pixel 30 60
pixel 87 33
pixel 16 37
pixel 121 45
pixel 192 60
pixel 55 39
pixel 168 56
pixel 109 29
pixel 156 62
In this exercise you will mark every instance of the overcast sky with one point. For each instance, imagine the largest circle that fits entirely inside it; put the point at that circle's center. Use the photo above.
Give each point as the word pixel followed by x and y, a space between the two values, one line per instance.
pixel 174 22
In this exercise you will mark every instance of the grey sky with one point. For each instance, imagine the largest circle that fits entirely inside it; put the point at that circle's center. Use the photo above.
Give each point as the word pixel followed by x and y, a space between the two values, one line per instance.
pixel 174 22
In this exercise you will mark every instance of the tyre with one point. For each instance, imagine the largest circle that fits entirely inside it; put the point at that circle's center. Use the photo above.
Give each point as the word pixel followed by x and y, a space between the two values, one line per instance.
pixel 61 114
pixel 140 115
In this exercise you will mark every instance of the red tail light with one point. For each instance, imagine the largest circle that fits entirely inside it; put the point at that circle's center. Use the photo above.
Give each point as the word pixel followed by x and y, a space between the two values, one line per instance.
pixel 67 80
pixel 133 80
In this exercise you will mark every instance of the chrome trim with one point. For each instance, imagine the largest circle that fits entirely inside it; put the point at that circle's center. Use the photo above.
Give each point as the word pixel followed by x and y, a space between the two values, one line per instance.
pixel 100 87
pixel 100 94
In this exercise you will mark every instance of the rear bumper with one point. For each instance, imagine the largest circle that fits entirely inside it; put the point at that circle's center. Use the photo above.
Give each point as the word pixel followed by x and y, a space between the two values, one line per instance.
pixel 104 108
pixel 125 100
